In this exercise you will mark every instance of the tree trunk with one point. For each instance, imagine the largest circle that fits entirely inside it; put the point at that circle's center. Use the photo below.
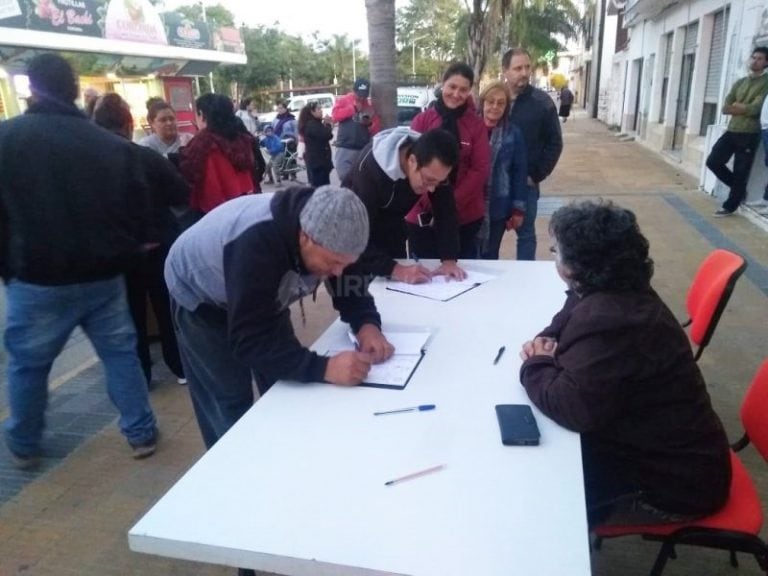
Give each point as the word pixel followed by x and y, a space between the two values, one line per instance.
pixel 381 50
pixel 480 33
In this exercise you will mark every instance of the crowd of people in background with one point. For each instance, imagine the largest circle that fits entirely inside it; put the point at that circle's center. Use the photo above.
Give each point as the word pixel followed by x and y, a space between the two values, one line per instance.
pixel 448 187
pixel 103 225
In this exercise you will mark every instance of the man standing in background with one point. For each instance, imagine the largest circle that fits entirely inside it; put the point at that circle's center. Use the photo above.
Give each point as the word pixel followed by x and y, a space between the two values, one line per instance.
pixel 743 104
pixel 357 123
pixel 74 207
pixel 533 111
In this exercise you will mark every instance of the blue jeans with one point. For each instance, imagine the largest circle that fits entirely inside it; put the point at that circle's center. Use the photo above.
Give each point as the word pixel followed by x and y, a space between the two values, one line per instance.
pixel 526 234
pixel 39 322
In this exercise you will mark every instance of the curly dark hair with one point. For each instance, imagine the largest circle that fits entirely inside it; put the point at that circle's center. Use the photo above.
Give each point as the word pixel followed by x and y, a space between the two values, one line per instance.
pixel 602 246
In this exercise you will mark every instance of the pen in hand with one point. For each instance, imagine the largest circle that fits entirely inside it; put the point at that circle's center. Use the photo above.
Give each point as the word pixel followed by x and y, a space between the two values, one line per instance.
pixel 420 408
pixel 499 355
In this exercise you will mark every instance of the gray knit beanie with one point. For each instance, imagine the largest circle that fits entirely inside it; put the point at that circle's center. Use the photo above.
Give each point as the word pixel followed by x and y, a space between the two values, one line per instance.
pixel 336 218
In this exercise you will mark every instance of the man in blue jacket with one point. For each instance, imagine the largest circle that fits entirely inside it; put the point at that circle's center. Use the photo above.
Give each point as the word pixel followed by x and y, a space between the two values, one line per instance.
pixel 232 277
pixel 533 111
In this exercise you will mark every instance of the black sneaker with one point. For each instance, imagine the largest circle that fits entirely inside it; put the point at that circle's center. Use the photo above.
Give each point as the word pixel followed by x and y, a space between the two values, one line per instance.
pixel 722 213
pixel 146 448
pixel 23 462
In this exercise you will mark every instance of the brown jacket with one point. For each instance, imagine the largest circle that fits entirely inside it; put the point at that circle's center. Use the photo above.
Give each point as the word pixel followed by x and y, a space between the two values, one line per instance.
pixel 623 375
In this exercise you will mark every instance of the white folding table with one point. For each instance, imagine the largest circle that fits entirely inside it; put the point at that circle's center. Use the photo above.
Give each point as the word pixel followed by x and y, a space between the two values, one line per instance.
pixel 296 487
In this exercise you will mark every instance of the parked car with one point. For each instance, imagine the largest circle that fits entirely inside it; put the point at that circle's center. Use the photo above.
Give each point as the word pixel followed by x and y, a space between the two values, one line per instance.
pixel 410 101
pixel 296 103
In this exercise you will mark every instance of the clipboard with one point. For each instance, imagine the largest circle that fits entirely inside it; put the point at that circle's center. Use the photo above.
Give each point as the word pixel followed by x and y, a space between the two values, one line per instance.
pixel 395 373
pixel 391 385
pixel 467 289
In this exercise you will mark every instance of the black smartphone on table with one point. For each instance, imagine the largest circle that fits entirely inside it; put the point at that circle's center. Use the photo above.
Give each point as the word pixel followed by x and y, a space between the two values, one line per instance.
pixel 517 425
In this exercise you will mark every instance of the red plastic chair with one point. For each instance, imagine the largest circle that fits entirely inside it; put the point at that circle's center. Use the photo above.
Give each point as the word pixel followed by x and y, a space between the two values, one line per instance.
pixel 709 293
pixel 736 526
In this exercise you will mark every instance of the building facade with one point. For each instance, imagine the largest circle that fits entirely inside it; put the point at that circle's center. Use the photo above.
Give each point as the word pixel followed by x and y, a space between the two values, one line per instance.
pixel 669 76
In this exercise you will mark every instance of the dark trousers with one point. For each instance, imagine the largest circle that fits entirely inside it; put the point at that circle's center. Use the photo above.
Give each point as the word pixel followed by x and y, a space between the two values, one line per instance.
pixel 742 147
pixel 422 242
pixel 219 384
pixel 496 231
pixel 145 281
pixel 318 175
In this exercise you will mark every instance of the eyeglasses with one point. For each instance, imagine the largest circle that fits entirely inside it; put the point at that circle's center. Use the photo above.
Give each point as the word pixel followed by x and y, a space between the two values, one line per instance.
pixel 428 180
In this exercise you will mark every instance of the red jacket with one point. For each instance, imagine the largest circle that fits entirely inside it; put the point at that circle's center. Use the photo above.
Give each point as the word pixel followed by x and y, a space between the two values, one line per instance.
pixel 217 169
pixel 474 164
pixel 221 183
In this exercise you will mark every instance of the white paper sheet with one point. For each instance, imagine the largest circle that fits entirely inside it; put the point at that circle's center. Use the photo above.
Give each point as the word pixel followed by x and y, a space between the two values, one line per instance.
pixel 440 288
pixel 395 372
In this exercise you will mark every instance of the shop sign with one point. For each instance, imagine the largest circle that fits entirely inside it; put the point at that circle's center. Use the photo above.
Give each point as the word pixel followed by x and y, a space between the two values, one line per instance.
pixel 227 39
pixel 134 21
pixel 82 17
pixel 186 33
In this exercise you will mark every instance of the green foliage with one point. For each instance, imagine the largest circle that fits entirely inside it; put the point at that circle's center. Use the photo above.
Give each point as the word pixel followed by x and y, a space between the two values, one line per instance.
pixel 538 25
pixel 216 14
pixel 433 25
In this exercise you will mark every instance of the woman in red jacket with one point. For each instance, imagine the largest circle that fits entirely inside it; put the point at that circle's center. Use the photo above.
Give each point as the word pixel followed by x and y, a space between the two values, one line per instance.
pixel 218 163
pixel 454 111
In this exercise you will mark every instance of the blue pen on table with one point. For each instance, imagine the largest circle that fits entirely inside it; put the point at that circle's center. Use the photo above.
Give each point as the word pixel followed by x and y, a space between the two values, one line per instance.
pixel 499 355
pixel 420 408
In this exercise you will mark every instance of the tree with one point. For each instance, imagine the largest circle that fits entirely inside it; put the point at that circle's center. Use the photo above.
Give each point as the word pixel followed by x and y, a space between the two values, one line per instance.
pixel 428 29
pixel 381 47
pixel 218 15
pixel 483 26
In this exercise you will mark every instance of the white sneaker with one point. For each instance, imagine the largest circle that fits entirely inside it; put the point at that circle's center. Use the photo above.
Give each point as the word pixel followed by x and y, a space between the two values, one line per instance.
pixel 181 381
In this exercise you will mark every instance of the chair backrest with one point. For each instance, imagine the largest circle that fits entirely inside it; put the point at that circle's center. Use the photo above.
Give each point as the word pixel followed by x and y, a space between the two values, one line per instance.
pixel 709 293
pixel 754 410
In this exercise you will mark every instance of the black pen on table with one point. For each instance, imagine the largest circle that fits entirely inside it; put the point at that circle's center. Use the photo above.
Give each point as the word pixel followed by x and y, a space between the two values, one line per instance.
pixel 499 355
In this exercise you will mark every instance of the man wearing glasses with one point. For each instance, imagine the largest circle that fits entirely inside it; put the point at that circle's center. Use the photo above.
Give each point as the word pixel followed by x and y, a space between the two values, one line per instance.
pixel 390 175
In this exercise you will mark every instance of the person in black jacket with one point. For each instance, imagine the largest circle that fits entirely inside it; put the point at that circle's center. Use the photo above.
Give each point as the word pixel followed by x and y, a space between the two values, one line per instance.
pixel 74 206
pixel 617 367
pixel 317 133
pixel 232 277
pixel 144 280
pixel 533 111
pixel 390 175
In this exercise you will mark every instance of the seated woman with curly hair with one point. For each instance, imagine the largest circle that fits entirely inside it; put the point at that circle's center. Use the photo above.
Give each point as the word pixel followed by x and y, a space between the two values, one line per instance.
pixel 617 367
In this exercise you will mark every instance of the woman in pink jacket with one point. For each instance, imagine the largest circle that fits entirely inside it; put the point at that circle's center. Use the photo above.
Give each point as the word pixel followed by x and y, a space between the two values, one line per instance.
pixel 454 111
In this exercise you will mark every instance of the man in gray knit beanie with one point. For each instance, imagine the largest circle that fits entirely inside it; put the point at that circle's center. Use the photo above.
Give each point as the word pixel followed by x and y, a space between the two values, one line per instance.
pixel 232 277
pixel 336 219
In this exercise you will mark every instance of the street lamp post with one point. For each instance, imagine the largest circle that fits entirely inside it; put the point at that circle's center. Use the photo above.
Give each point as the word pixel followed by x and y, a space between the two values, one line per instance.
pixel 210 74
pixel 354 63
pixel 413 53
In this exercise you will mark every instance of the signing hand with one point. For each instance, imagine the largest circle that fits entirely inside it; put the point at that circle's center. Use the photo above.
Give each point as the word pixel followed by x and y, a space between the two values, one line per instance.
pixel 373 343
pixel 451 270
pixel 347 368
pixel 413 274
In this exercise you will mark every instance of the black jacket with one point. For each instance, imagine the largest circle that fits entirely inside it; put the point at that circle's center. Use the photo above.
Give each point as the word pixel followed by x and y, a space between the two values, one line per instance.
pixel 388 201
pixel 167 190
pixel 535 114
pixel 623 375
pixel 317 148
pixel 74 201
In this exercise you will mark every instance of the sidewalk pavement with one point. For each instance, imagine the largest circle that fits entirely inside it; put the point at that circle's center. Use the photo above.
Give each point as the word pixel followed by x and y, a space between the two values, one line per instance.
pixel 71 518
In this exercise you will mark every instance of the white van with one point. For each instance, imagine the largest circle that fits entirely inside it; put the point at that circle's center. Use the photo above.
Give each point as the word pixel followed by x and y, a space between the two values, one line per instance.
pixel 326 100
pixel 410 101
pixel 296 103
